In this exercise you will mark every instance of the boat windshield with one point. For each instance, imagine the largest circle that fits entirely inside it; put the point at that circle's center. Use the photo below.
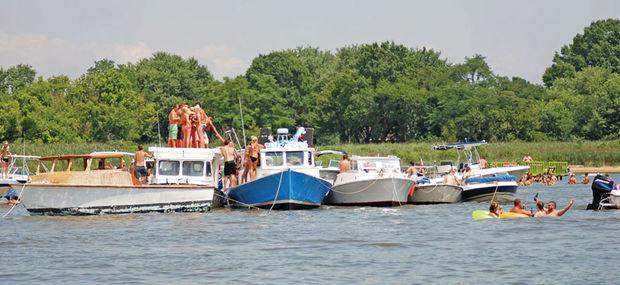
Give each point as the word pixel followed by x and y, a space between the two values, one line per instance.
pixel 294 158
pixel 196 168
pixel 168 167
pixel 386 166
pixel 274 158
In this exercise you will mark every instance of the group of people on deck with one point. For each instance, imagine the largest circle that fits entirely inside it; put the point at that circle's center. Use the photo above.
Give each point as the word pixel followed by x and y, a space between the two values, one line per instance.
pixel 234 162
pixel 188 127
pixel 551 210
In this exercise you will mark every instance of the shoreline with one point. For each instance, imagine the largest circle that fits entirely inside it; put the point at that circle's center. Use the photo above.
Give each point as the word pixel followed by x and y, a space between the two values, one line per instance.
pixel 593 169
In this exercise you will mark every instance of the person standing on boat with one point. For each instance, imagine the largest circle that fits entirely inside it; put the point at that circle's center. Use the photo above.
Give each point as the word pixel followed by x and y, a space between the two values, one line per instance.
pixel 520 208
pixel 255 148
pixel 5 152
pixel 412 171
pixel 483 163
pixel 186 126
pixel 230 167
pixel 139 158
pixel 450 178
pixel 344 164
pixel 208 122
pixel 173 126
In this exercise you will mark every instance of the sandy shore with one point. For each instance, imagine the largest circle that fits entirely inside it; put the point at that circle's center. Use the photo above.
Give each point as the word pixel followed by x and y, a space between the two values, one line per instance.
pixel 588 169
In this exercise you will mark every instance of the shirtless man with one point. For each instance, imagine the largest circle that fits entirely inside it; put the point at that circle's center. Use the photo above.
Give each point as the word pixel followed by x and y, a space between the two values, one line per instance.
pixel 450 178
pixel 139 165
pixel 230 167
pixel 412 171
pixel 572 178
pixel 173 126
pixel 586 179
pixel 527 158
pixel 553 212
pixel 255 148
pixel 520 209
pixel 4 159
pixel 186 126
pixel 466 173
pixel 344 164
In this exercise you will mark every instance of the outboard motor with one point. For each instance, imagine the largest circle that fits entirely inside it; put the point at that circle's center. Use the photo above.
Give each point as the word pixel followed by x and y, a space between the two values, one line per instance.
pixel 601 187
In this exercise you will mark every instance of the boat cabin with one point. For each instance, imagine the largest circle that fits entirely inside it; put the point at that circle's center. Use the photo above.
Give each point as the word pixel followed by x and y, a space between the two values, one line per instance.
pixel 196 166
pixel 371 164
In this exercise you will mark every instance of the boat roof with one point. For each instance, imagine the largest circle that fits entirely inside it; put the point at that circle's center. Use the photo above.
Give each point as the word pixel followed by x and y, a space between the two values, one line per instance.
pixel 29 157
pixel 324 152
pixel 82 156
pixel 160 153
pixel 458 146
pixel 389 157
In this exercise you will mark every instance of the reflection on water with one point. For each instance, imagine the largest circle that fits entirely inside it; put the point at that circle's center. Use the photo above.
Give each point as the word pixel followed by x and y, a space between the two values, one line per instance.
pixel 412 244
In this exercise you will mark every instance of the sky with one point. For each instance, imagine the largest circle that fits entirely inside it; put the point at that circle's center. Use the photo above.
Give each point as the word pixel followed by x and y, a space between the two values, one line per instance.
pixel 518 38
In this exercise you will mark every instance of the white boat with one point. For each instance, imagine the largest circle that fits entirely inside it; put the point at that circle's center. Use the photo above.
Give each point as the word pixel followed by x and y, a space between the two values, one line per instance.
pixel 183 180
pixel 18 172
pixel 429 191
pixel 372 181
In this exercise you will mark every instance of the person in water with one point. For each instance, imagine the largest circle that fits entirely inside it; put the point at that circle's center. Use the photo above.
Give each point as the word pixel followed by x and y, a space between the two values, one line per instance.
pixel 5 152
pixel 553 212
pixel 519 208
pixel 586 179
pixel 542 212
pixel 572 179
pixel 344 164
pixel 450 178
pixel 495 210
pixel 527 158
pixel 230 167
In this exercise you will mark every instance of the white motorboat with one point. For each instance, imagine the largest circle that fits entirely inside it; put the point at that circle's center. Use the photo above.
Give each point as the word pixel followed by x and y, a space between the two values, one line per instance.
pixel 372 181
pixel 432 191
pixel 182 180
pixel 484 184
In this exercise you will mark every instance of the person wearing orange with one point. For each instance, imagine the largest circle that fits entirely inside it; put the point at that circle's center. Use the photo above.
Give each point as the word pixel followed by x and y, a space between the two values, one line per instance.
pixel 186 125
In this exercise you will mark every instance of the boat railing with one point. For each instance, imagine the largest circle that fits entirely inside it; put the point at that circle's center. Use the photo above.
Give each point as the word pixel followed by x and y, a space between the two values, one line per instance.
pixel 558 168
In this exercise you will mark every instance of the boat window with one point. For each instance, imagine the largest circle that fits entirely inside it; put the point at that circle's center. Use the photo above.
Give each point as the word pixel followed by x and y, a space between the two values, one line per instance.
pixel 294 158
pixel 274 158
pixel 193 168
pixel 391 166
pixel 333 163
pixel 168 167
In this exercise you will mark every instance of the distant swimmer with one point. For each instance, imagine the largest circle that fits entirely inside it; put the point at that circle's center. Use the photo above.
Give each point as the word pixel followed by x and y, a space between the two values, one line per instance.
pixel 542 212
pixel 572 179
pixel 344 164
pixel 552 212
pixel 586 179
pixel 450 178
pixel 495 209
pixel 520 208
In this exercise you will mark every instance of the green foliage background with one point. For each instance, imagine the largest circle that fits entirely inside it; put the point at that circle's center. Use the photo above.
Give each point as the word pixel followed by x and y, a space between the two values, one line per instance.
pixel 370 93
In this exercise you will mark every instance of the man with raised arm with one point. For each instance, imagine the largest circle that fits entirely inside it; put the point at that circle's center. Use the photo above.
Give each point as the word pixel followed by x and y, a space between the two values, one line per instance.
pixel 553 212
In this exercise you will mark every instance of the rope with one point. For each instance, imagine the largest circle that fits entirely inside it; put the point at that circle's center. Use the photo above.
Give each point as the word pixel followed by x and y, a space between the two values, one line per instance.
pixel 359 191
pixel 494 192
pixel 14 205
pixel 275 198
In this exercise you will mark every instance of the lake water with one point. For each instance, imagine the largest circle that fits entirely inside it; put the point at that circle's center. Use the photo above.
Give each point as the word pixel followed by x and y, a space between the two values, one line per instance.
pixel 421 244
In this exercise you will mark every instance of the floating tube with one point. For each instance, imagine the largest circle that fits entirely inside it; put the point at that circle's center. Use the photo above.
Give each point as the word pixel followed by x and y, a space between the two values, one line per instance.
pixel 483 215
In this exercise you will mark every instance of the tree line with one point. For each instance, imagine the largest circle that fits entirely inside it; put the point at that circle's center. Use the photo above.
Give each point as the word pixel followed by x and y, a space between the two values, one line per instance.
pixel 377 92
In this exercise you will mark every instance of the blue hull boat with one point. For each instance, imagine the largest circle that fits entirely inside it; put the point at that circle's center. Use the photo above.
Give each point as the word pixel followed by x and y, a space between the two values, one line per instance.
pixel 286 190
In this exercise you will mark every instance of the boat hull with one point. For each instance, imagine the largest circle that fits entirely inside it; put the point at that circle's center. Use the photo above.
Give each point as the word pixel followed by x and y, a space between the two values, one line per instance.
pixel 382 192
pixel 53 199
pixel 436 194
pixel 285 190
pixel 502 192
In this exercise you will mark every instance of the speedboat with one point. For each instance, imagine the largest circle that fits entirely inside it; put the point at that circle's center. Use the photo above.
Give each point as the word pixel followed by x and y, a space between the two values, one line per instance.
pixel 433 191
pixel 18 172
pixel 372 181
pixel 287 178
pixel 484 184
pixel 183 180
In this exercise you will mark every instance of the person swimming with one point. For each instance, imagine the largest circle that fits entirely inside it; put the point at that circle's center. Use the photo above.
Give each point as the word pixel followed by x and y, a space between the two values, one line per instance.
pixel 520 208
pixel 542 212
pixel 495 210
